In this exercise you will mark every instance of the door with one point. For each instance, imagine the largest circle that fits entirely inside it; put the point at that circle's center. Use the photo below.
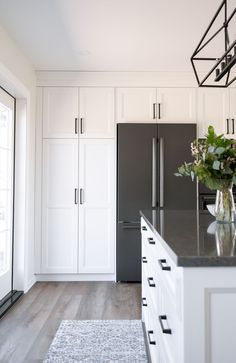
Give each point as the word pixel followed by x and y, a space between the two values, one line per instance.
pixel 6 191
pixel 134 192
pixel 136 105
pixel 60 112
pixel 174 145
pixel 213 109
pixel 59 206
pixel 96 112
pixel 96 210
pixel 176 105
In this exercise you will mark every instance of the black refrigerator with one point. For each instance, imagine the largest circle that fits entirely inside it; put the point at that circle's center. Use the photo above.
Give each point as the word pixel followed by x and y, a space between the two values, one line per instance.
pixel 148 155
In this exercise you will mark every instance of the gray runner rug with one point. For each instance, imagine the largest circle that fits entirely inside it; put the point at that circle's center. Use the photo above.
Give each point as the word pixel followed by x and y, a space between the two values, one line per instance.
pixel 98 341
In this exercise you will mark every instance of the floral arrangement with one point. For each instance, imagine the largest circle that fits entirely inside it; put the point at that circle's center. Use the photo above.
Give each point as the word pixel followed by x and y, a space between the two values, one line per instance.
pixel 214 161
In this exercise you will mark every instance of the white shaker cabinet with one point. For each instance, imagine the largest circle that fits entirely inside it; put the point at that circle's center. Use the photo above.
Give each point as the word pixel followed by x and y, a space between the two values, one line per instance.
pixel 96 108
pixel 96 209
pixel 59 208
pixel 176 105
pixel 213 109
pixel 60 112
pixel 136 105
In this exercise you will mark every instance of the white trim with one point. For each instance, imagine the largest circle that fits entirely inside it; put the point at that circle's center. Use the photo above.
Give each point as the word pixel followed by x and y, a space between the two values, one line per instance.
pixel 29 284
pixel 75 277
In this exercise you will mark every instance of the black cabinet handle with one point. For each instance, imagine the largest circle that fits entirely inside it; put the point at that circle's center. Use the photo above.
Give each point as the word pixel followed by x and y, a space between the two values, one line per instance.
pixel 76 125
pixel 233 126
pixel 150 332
pixel 151 282
pixel 144 301
pixel 159 111
pixel 81 125
pixel 164 330
pixel 154 111
pixel 227 126
pixel 144 228
pixel 76 196
pixel 144 259
pixel 163 265
pixel 151 241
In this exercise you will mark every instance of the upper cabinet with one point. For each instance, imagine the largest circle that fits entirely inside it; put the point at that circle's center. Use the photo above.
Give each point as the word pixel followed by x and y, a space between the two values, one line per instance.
pixel 176 105
pixel 60 112
pixel 232 112
pixel 96 108
pixel 136 105
pixel 213 109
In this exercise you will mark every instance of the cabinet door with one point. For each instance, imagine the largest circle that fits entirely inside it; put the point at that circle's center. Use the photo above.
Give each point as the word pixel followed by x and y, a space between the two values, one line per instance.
pixel 176 105
pixel 136 105
pixel 60 212
pixel 232 119
pixel 213 109
pixel 96 212
pixel 96 112
pixel 60 112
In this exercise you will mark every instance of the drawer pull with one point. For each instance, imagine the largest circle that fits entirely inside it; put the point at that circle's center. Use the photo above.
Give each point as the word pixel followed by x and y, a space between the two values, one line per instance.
pixel 144 259
pixel 150 332
pixel 163 265
pixel 151 282
pixel 164 330
pixel 144 301
pixel 144 228
pixel 151 241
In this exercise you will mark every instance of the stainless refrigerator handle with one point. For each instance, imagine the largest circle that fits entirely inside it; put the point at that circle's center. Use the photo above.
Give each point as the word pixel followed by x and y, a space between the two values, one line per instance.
pixel 161 172
pixel 154 172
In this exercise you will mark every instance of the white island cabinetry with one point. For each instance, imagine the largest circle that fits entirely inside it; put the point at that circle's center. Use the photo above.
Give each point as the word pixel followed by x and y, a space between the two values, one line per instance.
pixel 188 312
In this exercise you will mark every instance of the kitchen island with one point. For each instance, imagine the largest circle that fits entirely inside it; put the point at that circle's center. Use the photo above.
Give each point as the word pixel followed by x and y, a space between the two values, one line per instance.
pixel 188 287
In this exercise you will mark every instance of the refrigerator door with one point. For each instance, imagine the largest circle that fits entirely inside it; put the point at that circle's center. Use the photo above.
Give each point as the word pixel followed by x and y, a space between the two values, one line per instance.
pixel 134 169
pixel 174 148
pixel 129 252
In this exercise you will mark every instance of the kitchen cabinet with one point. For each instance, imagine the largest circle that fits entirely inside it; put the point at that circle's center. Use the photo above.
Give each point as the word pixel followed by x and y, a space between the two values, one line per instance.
pixel 96 209
pixel 59 206
pixel 60 112
pixel 176 105
pixel 213 109
pixel 96 108
pixel 136 105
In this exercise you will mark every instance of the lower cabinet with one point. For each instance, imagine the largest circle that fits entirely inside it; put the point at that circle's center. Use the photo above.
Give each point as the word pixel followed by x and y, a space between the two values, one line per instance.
pixel 96 210
pixel 59 208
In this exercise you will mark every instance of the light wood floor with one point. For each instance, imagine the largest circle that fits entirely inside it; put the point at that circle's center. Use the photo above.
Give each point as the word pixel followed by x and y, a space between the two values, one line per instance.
pixel 27 330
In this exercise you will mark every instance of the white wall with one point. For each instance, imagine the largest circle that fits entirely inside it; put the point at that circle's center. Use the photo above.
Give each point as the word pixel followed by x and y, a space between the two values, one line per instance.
pixel 17 76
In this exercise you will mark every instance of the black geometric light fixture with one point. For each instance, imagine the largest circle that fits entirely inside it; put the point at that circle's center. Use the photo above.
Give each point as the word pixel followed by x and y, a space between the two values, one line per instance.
pixel 222 65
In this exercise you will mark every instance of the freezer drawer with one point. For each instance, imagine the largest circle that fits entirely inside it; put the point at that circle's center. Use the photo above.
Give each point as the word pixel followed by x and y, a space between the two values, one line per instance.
pixel 128 264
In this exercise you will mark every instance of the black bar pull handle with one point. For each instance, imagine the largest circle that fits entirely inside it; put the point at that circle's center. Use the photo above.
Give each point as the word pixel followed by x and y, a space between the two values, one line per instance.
pixel 164 265
pixel 144 259
pixel 164 330
pixel 144 228
pixel 227 126
pixel 151 241
pixel 76 196
pixel 233 126
pixel 81 196
pixel 154 116
pixel 144 301
pixel 150 332
pixel 151 282
pixel 76 125
pixel 81 125
pixel 159 111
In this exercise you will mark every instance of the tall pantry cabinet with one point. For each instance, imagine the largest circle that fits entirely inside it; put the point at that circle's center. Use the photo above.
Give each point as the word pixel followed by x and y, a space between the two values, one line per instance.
pixel 76 139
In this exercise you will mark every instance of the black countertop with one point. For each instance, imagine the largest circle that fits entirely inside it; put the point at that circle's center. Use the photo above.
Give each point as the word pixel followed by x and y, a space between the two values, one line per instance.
pixel 193 239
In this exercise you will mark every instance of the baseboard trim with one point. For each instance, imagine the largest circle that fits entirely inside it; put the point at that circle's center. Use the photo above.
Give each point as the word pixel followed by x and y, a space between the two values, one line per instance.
pixel 75 277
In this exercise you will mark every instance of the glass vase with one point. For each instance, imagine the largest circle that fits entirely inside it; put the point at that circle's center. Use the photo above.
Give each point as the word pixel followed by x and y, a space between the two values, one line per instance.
pixel 225 207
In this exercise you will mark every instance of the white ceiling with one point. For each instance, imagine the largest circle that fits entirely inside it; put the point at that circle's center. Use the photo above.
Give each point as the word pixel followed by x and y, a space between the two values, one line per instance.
pixel 108 35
